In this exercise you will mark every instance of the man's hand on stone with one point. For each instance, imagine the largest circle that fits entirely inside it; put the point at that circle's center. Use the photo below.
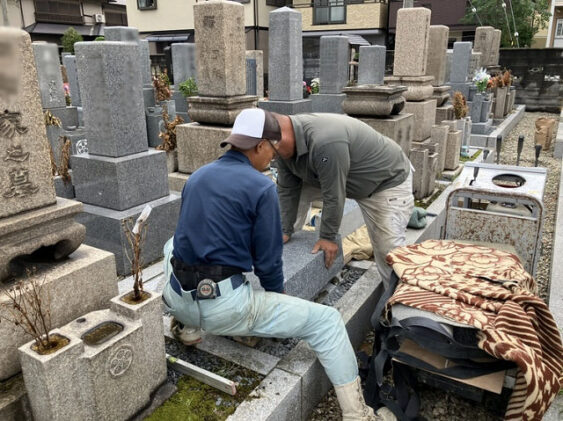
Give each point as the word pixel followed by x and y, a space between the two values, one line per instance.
pixel 285 238
pixel 330 250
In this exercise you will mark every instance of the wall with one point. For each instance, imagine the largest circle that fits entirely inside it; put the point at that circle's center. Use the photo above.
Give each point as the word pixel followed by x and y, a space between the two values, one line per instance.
pixel 532 89
pixel 358 16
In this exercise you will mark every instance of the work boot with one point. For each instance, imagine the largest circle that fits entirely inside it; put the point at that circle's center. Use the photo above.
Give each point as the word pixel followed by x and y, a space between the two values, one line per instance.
pixel 352 404
pixel 185 334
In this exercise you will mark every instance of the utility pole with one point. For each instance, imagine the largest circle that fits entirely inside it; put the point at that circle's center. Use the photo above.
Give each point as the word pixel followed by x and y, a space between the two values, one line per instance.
pixel 6 20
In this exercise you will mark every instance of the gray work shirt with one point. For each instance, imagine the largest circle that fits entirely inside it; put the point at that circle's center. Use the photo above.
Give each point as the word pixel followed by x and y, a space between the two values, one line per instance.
pixel 342 156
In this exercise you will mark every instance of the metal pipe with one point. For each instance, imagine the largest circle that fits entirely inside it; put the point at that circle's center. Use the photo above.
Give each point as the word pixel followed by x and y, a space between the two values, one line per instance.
pixel 519 149
pixel 538 151
pixel 499 145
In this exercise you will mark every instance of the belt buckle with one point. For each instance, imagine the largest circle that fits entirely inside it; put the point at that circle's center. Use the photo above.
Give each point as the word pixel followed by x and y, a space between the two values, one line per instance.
pixel 206 289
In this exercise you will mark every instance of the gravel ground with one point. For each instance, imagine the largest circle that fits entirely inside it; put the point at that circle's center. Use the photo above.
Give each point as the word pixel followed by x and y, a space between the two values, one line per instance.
pixel 443 406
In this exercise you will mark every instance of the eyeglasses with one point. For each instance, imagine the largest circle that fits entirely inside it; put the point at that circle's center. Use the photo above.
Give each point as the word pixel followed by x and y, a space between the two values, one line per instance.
pixel 273 144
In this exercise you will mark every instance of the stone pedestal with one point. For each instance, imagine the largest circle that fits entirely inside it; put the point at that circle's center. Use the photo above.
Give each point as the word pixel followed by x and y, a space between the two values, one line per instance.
pixel 83 282
pixel 214 110
pixel 445 112
pixel 104 229
pixel 373 100
pixel 419 88
pixel 441 94
pixel 328 103
pixel 424 117
pixel 198 145
pixel 298 106
pixel 452 150
pixel 399 127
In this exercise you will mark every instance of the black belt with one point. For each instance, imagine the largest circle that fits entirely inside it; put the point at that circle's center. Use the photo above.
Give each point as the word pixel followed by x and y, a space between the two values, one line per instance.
pixel 189 276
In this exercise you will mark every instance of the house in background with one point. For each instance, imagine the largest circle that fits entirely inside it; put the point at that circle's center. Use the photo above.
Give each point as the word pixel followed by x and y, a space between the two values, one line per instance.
pixel 46 20
pixel 444 12
pixel 554 34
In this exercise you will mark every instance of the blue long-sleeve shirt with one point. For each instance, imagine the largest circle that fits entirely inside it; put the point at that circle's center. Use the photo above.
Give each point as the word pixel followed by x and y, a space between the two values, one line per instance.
pixel 230 216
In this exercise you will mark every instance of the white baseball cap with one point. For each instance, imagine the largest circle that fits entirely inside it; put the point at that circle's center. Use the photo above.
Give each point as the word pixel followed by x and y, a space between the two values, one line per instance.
pixel 251 126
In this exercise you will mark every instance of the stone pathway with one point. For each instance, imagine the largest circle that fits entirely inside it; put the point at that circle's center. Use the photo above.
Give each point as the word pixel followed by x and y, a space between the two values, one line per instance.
pixel 443 406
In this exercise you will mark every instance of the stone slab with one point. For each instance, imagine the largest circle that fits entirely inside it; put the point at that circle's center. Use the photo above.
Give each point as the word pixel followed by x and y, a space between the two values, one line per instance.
pixel 112 98
pixel 424 116
pixel 64 188
pixel 220 48
pixel 482 128
pixel 49 74
pixel 258 57
pixel 121 33
pixel 460 62
pixel 298 106
pixel 183 62
pixel 25 174
pixel 14 405
pixel 181 103
pixel 495 53
pixel 453 149
pixel 69 116
pixel 462 87
pixel 305 273
pixel 69 62
pixel 445 112
pixel 371 69
pixel 327 103
pixel 104 229
pixel 199 145
pixel 437 46
pixel 86 273
pixel 148 97
pixel 411 41
pixel 440 136
pixel 276 398
pixel 352 219
pixel 176 181
pixel 120 183
pixel 334 51
pixel 285 63
pixel 399 128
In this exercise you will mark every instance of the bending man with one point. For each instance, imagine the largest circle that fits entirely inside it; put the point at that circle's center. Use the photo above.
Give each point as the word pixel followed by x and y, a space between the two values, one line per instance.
pixel 229 223
pixel 331 157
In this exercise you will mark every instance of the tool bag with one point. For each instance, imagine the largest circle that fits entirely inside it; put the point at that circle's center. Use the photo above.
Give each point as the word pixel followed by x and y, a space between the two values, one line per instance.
pixel 456 342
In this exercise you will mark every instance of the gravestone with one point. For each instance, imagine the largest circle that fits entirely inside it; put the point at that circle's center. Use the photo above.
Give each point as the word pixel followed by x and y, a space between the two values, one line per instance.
pixel 411 41
pixel 333 74
pixel 184 67
pixel 250 76
pixel 69 61
pixel 31 217
pixel 497 33
pixel 459 69
pixel 437 46
pixel 119 175
pixel 484 44
pixel 258 57
pixel 285 64
pixel 372 65
pixel 221 69
pixel 475 63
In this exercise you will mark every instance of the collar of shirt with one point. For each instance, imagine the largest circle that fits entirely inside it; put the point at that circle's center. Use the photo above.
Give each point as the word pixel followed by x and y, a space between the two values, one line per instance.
pixel 300 145
pixel 236 155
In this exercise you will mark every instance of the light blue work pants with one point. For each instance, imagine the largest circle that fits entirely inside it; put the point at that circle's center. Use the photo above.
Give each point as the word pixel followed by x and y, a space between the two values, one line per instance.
pixel 248 312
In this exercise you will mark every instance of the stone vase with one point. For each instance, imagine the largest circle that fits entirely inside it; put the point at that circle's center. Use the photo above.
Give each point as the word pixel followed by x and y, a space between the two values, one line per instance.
pixel 500 102
pixel 476 106
pixel 485 110
pixel 472 92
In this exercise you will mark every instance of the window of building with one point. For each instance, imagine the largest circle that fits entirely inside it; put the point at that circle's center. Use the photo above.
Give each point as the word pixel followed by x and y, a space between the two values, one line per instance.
pixel 146 4
pixel 326 12
pixel 279 3
pixel 115 16
pixel 58 11
pixel 559 28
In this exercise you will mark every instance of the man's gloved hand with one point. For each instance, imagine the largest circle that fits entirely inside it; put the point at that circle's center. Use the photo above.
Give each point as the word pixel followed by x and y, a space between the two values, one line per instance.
pixel 418 218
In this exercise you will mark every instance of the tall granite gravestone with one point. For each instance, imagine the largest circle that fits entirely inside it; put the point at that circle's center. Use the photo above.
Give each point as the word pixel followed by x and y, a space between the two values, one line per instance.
pixel 410 69
pixel 130 34
pixel 484 44
pixel 333 74
pixel 372 65
pixel 285 64
pixel 119 175
pixel 74 276
pixel 257 58
pixel 51 83
pixel 184 67
pixel 221 70
pixel 69 61
pixel 459 69
pixel 436 64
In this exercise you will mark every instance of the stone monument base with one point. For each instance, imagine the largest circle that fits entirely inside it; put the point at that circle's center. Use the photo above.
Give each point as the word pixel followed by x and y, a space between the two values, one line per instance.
pixel 419 88
pixel 104 229
pixel 482 128
pixel 83 282
pixel 51 226
pixel 199 144
pixel 424 117
pixel 67 115
pixel 120 183
pixel 219 110
pixel 328 103
pixel 399 127
pixel 176 181
pixel 441 94
pixel 445 112
pixel 287 107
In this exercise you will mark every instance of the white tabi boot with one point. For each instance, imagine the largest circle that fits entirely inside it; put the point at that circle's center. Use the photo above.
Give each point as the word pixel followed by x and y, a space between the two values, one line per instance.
pixel 351 400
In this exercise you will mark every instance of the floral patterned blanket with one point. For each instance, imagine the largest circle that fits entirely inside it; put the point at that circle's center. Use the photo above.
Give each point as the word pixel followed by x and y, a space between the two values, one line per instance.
pixel 489 290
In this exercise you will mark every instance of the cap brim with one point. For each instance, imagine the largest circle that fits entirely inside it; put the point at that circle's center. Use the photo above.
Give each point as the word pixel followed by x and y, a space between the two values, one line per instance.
pixel 241 141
